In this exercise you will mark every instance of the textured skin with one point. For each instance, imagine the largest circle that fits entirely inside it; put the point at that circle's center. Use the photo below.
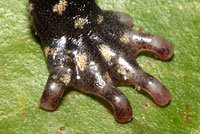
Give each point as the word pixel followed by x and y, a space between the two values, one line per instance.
pixel 94 51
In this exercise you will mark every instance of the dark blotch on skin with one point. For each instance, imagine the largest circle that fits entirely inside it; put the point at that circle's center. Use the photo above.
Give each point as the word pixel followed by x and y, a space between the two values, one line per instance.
pixel 94 50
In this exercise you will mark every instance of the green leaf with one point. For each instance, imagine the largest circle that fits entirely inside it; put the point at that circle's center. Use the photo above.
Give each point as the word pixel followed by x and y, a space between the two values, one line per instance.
pixel 23 73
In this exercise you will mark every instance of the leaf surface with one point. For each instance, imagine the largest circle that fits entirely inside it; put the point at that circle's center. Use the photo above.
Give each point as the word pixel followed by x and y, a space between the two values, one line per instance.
pixel 23 74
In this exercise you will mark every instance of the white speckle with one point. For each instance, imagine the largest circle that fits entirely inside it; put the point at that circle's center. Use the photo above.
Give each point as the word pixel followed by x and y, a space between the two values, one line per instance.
pixel 61 42
pixel 123 62
pixel 92 63
pixel 53 86
pixel 77 74
pixel 78 41
pixel 138 38
pixel 78 77
pixel 98 77
pixel 117 98
pixel 125 69
pixel 154 86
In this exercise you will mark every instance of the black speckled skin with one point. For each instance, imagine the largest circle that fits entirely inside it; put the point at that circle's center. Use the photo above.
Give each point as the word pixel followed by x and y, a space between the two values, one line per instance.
pixel 94 51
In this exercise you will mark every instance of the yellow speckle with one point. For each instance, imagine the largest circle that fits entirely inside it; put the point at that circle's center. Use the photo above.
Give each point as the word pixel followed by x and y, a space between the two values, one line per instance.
pixel 68 51
pixel 60 7
pixel 79 23
pixel 36 33
pixel 81 60
pixel 31 7
pixel 54 77
pixel 49 51
pixel 124 72
pixel 138 87
pixel 46 51
pixel 125 38
pixel 107 77
pixel 66 78
pixel 67 57
pixel 100 19
pixel 106 52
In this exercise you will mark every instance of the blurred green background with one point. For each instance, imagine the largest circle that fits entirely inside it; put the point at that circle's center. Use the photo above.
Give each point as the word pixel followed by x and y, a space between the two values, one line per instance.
pixel 23 74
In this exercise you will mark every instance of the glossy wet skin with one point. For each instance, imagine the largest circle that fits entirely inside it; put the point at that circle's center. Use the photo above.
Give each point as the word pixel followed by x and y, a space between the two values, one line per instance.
pixel 94 51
